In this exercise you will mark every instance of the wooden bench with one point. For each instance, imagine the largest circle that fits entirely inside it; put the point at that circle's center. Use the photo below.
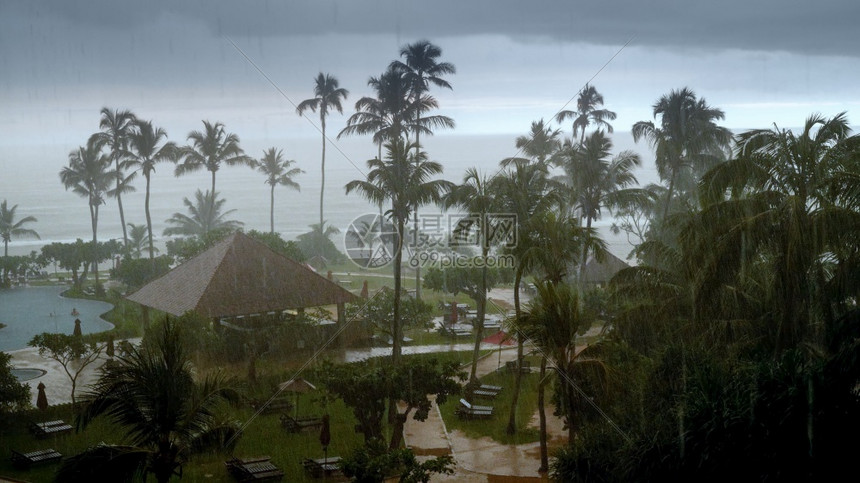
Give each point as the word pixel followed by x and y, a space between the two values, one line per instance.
pixel 467 410
pixel 294 425
pixel 50 428
pixel 321 467
pixel 254 469
pixel 25 460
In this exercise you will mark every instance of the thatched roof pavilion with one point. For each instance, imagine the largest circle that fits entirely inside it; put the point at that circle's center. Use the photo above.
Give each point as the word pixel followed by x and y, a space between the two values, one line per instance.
pixel 601 272
pixel 240 276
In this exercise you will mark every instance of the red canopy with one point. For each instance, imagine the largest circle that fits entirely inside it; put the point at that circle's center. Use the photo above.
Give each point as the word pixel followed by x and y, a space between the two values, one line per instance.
pixel 499 338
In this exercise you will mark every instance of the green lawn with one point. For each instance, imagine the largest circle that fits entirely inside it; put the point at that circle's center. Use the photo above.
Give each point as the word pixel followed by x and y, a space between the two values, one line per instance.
pixel 496 426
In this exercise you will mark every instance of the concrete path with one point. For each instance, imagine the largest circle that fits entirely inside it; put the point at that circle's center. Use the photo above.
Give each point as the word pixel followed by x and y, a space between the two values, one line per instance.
pixel 481 460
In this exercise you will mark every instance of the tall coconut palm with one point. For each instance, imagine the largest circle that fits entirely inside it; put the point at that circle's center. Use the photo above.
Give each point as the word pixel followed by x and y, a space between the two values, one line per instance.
pixel 524 190
pixel 209 149
pixel 587 113
pixel 278 171
pixel 599 183
pixel 116 127
pixel 474 196
pixel 327 95
pixel 405 182
pixel 167 416
pixel 421 69
pixel 10 227
pixel 89 175
pixel 688 141
pixel 386 116
pixel 148 146
pixel 204 216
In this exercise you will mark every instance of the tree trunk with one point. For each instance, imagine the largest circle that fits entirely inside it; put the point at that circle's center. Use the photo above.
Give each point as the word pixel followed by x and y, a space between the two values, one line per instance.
pixel 94 214
pixel 213 186
pixel 417 152
pixel 119 202
pixel 668 198
pixel 544 455
pixel 512 420
pixel 149 224
pixel 322 167
pixel 272 210
pixel 584 260
pixel 397 329
pixel 482 311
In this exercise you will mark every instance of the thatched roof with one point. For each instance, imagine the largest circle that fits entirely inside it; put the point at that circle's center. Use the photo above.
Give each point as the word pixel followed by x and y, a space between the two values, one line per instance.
pixel 239 276
pixel 602 272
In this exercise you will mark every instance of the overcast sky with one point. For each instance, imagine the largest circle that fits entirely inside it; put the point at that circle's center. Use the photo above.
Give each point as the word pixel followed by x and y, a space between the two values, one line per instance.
pixel 517 61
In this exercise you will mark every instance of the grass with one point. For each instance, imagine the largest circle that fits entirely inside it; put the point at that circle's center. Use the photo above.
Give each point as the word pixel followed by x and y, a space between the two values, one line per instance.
pixel 495 428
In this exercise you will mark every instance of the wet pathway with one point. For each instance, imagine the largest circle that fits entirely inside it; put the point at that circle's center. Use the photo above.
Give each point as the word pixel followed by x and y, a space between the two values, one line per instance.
pixel 479 460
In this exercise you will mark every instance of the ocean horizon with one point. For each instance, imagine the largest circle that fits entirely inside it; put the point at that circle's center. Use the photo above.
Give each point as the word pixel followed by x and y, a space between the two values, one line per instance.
pixel 31 181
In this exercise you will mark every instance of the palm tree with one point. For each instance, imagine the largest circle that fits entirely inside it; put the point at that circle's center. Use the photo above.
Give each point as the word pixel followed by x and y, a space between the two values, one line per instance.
pixel 403 179
pixel 138 239
pixel 167 416
pixel 209 149
pixel 688 142
pixel 786 212
pixel 587 113
pixel 89 175
pixel 10 227
pixel 541 145
pixel 204 216
pixel 386 116
pixel 421 69
pixel 523 190
pixel 599 183
pixel 147 150
pixel 278 171
pixel 327 95
pixel 116 127
pixel 475 197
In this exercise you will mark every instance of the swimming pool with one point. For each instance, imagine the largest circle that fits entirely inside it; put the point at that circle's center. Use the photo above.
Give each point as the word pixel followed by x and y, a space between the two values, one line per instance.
pixel 28 311
pixel 27 374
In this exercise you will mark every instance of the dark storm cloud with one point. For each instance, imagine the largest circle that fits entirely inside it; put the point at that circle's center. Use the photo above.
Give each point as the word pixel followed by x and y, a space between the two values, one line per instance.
pixel 817 28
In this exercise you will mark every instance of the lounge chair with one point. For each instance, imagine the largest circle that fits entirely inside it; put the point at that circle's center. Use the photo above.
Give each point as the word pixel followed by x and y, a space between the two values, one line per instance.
pixel 297 425
pixel 25 460
pixel 468 410
pixel 320 467
pixel 50 428
pixel 254 469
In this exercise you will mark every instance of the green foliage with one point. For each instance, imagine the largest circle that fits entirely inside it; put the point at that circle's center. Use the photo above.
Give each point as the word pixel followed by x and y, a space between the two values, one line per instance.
pixel 287 248
pixel 137 272
pixel 366 386
pixel 14 396
pixel 460 279
pixel 152 394
pixel 377 314
pixel 373 463
pixel 72 352
pixel 317 244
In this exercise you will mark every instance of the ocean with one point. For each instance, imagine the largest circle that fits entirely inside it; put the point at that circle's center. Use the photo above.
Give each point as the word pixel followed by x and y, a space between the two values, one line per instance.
pixel 29 178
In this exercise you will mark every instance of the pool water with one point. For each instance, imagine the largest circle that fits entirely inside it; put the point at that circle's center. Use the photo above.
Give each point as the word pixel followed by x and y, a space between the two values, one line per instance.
pixel 28 311
pixel 27 374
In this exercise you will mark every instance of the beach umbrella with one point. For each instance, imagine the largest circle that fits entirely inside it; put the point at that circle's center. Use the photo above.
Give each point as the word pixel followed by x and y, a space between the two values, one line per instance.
pixel 329 275
pixel 364 291
pixel 454 312
pixel 325 438
pixel 77 332
pixel 41 399
pixel 500 338
pixel 297 386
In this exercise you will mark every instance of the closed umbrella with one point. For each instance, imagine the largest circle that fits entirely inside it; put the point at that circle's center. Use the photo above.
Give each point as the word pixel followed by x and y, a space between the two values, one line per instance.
pixel 325 439
pixel 453 313
pixel 364 291
pixel 77 332
pixel 41 399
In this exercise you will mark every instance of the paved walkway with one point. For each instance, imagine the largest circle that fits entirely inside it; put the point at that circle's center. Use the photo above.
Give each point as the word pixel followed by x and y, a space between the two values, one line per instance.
pixel 481 460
